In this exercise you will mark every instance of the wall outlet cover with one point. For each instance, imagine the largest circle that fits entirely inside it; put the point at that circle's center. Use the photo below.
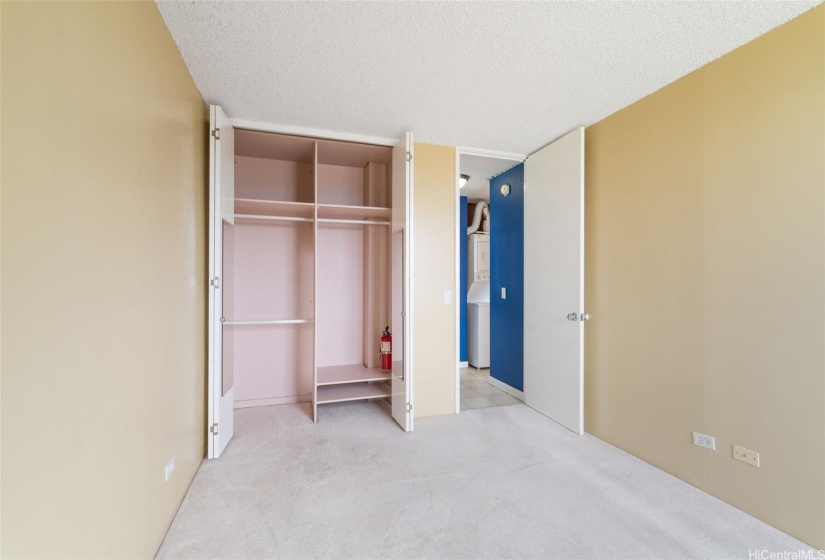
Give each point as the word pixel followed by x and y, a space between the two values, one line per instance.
pixel 746 456
pixel 703 440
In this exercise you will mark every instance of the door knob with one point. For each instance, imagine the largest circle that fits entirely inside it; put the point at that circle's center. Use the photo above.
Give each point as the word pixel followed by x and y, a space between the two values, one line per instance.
pixel 577 317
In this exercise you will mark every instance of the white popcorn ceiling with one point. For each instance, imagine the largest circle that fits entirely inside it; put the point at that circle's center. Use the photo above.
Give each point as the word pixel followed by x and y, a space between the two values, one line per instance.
pixel 496 75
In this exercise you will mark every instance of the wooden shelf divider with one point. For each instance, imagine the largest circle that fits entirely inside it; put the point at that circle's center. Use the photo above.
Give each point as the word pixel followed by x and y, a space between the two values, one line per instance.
pixel 275 208
pixel 337 375
pixel 338 211
pixel 352 392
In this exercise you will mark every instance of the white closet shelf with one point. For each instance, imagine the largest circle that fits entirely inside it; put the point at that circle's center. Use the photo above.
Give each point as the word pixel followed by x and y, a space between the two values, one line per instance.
pixel 352 392
pixel 338 211
pixel 253 219
pixel 276 322
pixel 275 208
pixel 336 375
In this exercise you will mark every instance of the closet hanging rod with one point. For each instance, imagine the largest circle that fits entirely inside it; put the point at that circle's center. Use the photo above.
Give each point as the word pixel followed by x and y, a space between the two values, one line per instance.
pixel 362 222
pixel 274 218
pixel 280 322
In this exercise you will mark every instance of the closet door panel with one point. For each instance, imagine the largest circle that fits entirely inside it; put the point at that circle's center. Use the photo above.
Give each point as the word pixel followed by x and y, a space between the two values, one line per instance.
pixel 401 259
pixel 228 303
pixel 219 428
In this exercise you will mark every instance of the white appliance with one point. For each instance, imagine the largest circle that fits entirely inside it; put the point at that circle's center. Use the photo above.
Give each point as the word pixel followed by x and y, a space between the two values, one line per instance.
pixel 478 335
pixel 478 300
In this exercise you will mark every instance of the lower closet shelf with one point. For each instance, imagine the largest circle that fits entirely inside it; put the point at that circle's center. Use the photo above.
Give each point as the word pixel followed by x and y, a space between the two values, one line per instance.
pixel 334 375
pixel 352 392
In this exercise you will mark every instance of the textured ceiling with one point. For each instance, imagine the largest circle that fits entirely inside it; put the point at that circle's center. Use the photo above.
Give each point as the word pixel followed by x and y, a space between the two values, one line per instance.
pixel 498 75
pixel 481 169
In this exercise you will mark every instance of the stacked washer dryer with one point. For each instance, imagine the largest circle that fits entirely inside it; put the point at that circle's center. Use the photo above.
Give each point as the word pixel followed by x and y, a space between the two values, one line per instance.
pixel 478 295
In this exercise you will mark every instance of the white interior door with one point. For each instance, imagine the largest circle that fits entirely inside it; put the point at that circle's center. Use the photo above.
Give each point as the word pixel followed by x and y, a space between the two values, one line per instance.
pixel 402 184
pixel 221 220
pixel 554 281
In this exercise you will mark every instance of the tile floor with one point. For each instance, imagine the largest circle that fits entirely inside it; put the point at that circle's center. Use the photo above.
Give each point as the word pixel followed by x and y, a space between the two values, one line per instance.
pixel 476 392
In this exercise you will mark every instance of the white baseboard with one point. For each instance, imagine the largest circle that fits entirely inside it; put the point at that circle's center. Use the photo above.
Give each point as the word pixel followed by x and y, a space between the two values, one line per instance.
pixel 463 364
pixel 506 388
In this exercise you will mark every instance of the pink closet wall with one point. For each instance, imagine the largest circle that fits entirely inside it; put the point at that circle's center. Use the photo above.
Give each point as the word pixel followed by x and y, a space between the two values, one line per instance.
pixel 273 263
pixel 272 179
pixel 340 270
pixel 340 185
pixel 340 294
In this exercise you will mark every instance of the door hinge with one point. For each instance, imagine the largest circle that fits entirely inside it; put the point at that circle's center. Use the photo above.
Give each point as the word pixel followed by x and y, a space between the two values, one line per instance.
pixel 213 429
pixel 215 282
pixel 216 133
pixel 409 156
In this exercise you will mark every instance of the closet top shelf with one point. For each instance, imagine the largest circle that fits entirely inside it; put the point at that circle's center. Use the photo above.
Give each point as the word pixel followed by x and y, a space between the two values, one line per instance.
pixel 252 207
pixel 274 208
pixel 353 212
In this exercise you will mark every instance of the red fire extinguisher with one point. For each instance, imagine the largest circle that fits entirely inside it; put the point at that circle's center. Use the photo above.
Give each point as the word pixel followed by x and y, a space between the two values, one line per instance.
pixel 386 350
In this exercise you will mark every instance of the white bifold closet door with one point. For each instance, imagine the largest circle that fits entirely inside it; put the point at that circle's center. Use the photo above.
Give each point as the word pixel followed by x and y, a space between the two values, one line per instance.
pixel 554 281
pixel 402 185
pixel 221 224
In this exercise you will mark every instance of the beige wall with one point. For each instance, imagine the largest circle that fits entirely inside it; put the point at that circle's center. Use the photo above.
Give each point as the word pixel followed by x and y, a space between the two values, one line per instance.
pixel 705 276
pixel 103 236
pixel 434 260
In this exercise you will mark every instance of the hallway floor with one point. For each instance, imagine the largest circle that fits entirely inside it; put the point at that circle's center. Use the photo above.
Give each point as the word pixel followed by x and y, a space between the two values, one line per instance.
pixel 501 482
pixel 476 391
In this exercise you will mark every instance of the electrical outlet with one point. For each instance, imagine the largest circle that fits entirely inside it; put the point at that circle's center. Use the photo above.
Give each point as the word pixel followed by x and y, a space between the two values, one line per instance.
pixel 503 293
pixel 703 440
pixel 448 297
pixel 746 455
pixel 170 468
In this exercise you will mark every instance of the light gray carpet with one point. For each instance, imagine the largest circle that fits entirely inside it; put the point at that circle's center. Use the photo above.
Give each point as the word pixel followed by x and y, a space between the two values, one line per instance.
pixel 500 482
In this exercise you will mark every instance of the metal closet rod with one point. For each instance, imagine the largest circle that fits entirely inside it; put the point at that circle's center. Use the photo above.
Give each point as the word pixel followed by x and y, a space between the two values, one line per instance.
pixel 323 220
pixel 279 322
pixel 273 218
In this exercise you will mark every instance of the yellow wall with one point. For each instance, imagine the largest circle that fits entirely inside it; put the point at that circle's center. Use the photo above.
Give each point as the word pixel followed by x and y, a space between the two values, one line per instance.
pixel 103 244
pixel 705 276
pixel 434 261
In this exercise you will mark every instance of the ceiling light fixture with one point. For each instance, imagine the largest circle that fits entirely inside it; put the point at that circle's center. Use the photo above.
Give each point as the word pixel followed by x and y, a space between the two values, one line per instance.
pixel 463 181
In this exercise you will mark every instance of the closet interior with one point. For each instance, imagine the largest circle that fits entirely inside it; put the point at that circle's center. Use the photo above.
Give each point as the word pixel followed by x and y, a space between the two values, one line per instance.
pixel 310 261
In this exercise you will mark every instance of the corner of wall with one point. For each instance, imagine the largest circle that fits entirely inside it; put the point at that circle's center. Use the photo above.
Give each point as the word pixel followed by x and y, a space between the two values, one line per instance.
pixel 434 269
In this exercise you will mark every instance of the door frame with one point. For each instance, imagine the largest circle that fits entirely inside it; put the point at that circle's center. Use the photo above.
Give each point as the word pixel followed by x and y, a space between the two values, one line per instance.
pixel 479 152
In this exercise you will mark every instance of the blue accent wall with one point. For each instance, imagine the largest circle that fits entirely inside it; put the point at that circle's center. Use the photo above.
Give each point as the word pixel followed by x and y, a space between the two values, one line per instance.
pixel 507 270
pixel 462 300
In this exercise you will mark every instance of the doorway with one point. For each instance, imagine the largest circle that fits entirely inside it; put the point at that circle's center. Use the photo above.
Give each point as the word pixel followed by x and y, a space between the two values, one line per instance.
pixel 490 280
pixel 549 336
